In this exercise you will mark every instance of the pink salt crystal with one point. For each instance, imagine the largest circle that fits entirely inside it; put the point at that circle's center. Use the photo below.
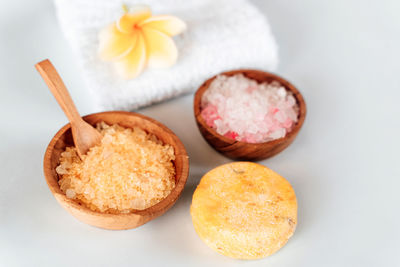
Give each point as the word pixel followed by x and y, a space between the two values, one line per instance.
pixel 241 109
pixel 292 114
pixel 280 116
pixel 288 123
pixel 251 89
pixel 250 138
pixel 273 110
pixel 210 114
pixel 274 126
pixel 268 121
pixel 231 135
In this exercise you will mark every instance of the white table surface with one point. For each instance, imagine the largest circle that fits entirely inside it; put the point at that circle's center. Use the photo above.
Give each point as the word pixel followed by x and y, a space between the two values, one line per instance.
pixel 343 56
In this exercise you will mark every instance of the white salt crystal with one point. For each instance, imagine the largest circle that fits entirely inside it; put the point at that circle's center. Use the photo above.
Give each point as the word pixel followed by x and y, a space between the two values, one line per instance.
pixel 221 127
pixel 291 100
pixel 282 92
pixel 278 134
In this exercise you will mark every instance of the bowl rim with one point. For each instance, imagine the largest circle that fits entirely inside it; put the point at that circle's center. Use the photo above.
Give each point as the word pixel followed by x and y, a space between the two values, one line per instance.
pixel 289 86
pixel 155 209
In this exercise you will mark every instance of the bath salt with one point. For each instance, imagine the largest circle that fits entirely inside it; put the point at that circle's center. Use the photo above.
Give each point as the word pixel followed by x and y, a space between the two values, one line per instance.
pixel 129 170
pixel 244 110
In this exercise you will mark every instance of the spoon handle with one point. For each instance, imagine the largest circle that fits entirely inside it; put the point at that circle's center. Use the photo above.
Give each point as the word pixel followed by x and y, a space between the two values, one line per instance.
pixel 84 135
pixel 59 91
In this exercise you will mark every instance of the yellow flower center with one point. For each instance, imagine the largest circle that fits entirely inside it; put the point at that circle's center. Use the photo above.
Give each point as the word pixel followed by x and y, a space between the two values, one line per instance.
pixel 138 39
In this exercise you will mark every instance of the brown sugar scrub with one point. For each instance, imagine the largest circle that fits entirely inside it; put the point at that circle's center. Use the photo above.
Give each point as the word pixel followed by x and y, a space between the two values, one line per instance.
pixel 129 170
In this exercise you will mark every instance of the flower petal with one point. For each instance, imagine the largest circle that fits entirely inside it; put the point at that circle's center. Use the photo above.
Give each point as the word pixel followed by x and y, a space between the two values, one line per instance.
pixel 161 49
pixel 114 44
pixel 135 15
pixel 167 24
pixel 133 64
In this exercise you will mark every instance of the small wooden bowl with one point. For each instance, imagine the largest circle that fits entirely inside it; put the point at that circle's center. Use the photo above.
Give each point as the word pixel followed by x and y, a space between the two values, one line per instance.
pixel 63 138
pixel 241 150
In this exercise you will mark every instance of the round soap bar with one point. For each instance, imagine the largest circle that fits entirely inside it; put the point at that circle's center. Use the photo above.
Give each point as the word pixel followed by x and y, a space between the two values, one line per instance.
pixel 244 210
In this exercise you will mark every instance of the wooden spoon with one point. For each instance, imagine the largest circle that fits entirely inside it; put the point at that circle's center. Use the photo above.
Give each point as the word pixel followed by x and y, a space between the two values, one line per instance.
pixel 84 135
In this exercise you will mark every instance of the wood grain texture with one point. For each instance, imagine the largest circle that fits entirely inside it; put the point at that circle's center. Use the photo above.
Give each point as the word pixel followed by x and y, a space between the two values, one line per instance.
pixel 63 138
pixel 84 135
pixel 241 150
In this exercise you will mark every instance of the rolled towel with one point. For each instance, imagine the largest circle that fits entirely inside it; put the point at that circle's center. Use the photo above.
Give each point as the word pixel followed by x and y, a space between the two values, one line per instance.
pixel 221 35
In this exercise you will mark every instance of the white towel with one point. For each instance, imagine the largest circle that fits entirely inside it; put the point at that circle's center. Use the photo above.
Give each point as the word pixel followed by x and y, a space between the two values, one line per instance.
pixel 221 35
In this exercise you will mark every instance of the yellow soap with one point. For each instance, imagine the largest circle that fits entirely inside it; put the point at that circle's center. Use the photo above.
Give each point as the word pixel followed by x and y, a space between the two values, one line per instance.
pixel 244 210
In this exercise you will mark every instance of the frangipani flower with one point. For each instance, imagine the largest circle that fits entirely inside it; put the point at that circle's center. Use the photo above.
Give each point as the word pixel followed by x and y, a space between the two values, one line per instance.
pixel 137 40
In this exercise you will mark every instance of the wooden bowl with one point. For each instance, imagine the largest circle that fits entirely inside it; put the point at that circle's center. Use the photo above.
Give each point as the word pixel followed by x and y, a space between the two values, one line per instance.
pixel 63 138
pixel 241 150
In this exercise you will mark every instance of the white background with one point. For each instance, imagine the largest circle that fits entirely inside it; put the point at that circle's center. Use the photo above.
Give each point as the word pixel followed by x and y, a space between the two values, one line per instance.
pixel 344 166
